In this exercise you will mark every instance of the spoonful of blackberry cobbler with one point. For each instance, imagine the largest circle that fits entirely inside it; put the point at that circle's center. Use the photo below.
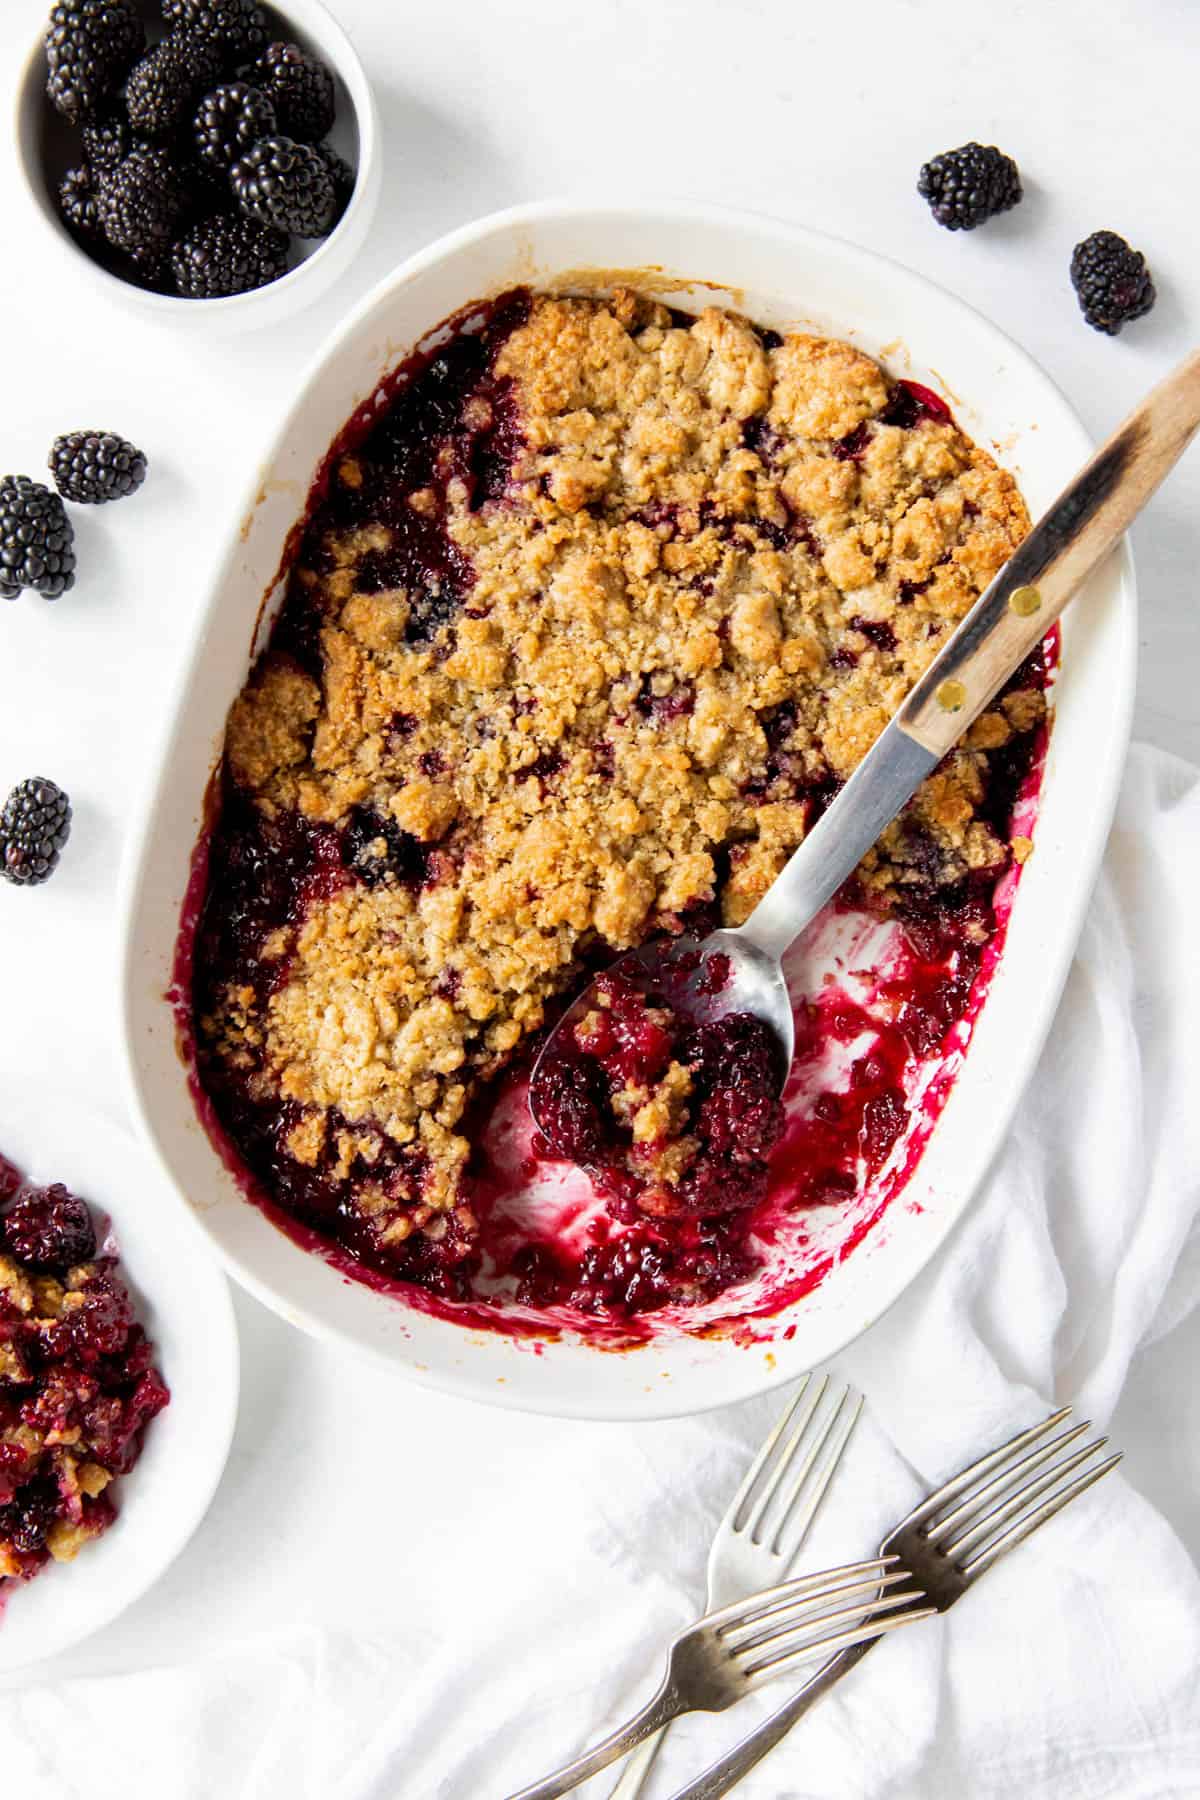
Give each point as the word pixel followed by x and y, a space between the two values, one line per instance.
pixel 690 1039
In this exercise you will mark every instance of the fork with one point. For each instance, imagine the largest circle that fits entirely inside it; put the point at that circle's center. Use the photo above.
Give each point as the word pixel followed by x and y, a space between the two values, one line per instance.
pixel 759 1539
pixel 946 1543
pixel 723 1657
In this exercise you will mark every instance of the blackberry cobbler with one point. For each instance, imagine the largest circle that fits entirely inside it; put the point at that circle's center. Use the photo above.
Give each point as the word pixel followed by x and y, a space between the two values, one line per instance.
pixel 596 606
pixel 78 1385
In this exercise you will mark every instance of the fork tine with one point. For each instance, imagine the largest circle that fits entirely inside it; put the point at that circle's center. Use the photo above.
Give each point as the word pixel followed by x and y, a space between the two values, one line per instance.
pixel 1021 1529
pixel 958 1484
pixel 814 1477
pixel 802 1620
pixel 1015 1503
pixel 773 1666
pixel 937 1529
pixel 765 1453
pixel 809 1586
pixel 746 1634
pixel 783 1462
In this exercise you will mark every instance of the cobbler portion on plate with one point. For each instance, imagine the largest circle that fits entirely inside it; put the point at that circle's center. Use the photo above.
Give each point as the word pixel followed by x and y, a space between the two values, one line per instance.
pixel 78 1385
pixel 596 607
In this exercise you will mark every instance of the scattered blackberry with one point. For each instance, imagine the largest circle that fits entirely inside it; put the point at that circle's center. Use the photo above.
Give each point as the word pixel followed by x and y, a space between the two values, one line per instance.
pixel 236 25
pixel 230 121
pixel 49 1227
pixel 91 467
pixel 227 255
pixel 77 202
pixel 90 44
pixel 1112 282
pixel 141 203
pixel 301 89
pixel 163 88
pixel 968 185
pixel 287 185
pixel 36 540
pixel 34 826
pixel 343 175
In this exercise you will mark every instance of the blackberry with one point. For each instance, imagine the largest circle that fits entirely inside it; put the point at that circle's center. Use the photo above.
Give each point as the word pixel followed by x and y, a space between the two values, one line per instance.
pixel 49 1228
pixel 301 90
pixel 27 1519
pixel 1112 282
pixel 34 826
pixel 968 185
pixel 91 467
pixel 105 143
pixel 163 88
pixel 230 121
pixel 36 540
pixel 89 46
pixel 287 185
pixel 236 25
pixel 381 853
pixel 225 255
pixel 77 202
pixel 141 203
pixel 344 177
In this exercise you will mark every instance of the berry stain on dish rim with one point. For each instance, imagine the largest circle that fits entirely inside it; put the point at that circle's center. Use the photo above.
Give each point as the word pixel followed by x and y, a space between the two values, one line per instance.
pixel 884 1014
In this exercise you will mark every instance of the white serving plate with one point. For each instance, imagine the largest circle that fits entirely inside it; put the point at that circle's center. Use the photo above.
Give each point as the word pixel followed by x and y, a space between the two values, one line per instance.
pixel 780 276
pixel 184 1302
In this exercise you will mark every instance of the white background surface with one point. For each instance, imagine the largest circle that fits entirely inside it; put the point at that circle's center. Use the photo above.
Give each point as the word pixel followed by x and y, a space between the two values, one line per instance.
pixel 821 114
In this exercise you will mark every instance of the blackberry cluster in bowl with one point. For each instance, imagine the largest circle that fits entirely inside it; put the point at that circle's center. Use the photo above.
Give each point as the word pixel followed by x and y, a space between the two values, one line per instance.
pixel 202 156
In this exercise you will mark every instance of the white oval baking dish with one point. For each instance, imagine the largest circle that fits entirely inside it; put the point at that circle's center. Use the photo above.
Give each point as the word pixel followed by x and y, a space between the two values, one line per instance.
pixel 780 276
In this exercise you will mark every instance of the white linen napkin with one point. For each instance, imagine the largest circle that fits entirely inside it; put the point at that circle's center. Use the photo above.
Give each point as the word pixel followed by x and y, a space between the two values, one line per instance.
pixel 402 1597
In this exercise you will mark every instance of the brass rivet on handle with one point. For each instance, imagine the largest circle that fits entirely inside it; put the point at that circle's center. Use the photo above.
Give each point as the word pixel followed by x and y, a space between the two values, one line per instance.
pixel 951 696
pixel 1025 601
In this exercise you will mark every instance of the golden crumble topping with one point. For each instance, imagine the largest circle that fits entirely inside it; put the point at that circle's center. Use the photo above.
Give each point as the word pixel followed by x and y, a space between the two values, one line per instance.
pixel 583 636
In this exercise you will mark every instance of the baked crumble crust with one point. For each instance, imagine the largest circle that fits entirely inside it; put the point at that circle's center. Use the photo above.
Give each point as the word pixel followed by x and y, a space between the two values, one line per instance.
pixel 684 577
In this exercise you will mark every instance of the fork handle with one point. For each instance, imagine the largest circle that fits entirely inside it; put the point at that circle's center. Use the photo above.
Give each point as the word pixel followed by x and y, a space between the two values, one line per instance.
pixel 737 1763
pixel 665 1706
pixel 633 1775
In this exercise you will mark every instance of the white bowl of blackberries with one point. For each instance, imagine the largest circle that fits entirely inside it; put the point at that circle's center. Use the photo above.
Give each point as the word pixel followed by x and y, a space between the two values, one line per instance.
pixel 204 158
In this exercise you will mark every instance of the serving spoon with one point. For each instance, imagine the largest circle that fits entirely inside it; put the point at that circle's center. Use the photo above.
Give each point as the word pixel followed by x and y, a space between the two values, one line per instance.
pixel 740 969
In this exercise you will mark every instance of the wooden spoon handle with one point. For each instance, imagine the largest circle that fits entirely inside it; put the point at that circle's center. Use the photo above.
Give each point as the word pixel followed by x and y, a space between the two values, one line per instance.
pixel 1013 615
